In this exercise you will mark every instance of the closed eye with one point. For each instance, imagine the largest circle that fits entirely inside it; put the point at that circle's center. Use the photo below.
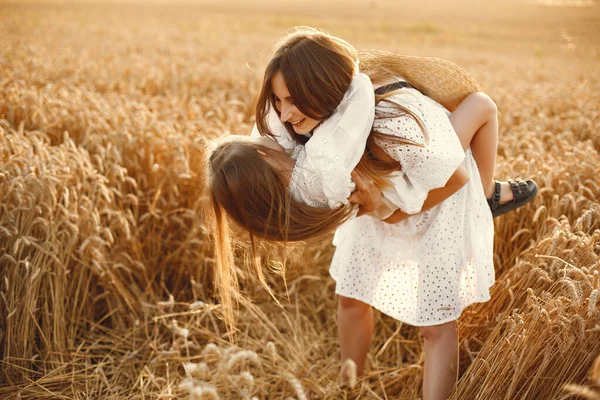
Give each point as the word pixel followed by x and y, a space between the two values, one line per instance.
pixel 278 100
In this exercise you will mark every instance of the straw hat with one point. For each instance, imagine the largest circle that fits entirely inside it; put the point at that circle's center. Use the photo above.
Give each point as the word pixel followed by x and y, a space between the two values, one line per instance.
pixel 441 80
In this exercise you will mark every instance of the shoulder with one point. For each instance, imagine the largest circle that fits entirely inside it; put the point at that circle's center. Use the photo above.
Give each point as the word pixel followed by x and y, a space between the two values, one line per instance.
pixel 390 120
pixel 424 108
pixel 409 98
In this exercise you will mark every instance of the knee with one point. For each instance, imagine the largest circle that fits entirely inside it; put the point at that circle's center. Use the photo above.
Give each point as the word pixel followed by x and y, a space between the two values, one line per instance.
pixel 436 332
pixel 348 304
pixel 485 104
pixel 430 333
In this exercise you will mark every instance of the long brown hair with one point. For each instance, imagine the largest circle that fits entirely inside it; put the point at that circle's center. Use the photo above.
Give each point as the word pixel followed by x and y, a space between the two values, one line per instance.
pixel 245 188
pixel 308 59
pixel 318 69
pixel 254 196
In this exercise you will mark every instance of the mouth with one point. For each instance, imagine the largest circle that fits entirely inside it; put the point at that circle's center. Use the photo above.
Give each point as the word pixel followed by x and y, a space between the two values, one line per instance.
pixel 298 122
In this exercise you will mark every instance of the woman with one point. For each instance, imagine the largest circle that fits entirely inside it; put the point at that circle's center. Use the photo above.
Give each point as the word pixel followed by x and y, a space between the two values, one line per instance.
pixel 422 269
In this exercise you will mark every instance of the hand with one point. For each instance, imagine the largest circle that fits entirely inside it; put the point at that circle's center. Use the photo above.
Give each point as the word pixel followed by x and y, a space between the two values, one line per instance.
pixel 367 195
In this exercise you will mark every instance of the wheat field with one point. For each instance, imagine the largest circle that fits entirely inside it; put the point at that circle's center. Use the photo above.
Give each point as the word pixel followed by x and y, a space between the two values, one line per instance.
pixel 105 257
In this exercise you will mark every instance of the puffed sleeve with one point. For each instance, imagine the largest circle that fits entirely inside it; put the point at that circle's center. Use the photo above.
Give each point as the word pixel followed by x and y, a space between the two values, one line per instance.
pixel 321 176
pixel 427 167
pixel 400 195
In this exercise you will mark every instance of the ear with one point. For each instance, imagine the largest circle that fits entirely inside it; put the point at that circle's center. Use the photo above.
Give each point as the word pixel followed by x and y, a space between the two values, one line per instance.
pixel 262 153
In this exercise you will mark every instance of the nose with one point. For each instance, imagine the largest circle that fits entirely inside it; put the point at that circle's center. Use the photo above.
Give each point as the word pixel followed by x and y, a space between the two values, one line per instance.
pixel 286 113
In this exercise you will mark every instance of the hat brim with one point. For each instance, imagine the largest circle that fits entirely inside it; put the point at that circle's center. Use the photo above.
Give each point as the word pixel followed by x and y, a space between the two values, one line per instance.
pixel 439 79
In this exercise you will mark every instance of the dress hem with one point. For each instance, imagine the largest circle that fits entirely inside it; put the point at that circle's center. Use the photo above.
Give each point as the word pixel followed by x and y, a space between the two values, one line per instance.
pixel 443 321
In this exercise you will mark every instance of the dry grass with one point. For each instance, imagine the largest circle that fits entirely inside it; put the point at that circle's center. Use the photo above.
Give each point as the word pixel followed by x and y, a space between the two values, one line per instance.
pixel 105 263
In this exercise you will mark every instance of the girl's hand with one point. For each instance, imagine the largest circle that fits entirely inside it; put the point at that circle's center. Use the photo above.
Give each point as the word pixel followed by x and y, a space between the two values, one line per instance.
pixel 366 195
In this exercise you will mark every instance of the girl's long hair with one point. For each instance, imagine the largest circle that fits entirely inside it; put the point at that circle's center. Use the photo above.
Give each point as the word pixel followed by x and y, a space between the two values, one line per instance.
pixel 244 188
pixel 318 69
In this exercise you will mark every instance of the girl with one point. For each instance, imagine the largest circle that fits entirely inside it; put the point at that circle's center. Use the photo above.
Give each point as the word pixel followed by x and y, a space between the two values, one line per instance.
pixel 423 270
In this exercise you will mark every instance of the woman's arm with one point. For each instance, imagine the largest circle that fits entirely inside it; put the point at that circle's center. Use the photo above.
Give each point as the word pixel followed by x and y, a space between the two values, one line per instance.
pixel 458 179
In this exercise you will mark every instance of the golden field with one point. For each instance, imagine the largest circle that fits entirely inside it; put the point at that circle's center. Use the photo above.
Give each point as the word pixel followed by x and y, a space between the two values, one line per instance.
pixel 105 258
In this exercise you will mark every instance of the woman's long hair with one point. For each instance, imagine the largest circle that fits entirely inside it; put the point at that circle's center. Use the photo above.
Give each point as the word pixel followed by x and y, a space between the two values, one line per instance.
pixel 318 69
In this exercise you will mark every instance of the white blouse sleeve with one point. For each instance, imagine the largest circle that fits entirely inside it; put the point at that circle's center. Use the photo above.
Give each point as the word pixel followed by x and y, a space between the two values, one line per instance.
pixel 428 167
pixel 321 176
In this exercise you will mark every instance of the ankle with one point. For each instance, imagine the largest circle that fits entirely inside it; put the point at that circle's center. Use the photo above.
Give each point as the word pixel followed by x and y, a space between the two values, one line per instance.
pixel 489 189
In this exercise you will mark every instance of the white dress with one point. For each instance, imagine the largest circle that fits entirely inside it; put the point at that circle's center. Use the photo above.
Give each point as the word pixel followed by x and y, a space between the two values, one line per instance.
pixel 426 269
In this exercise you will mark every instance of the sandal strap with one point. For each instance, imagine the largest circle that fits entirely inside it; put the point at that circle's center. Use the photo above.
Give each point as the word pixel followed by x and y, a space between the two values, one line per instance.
pixel 496 196
pixel 514 187
pixel 524 190
pixel 523 193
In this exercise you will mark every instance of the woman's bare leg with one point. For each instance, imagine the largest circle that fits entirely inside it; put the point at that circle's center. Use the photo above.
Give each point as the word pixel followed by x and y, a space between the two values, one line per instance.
pixel 475 121
pixel 441 360
pixel 355 330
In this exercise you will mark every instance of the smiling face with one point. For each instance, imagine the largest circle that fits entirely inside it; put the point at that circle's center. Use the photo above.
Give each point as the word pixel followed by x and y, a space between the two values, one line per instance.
pixel 288 111
pixel 305 81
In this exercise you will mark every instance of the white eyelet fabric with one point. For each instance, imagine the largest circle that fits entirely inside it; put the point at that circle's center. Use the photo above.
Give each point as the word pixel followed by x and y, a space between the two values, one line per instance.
pixel 426 269
pixel 321 175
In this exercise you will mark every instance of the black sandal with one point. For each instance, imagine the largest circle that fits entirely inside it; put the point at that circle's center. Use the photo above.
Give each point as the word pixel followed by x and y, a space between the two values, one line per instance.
pixel 523 193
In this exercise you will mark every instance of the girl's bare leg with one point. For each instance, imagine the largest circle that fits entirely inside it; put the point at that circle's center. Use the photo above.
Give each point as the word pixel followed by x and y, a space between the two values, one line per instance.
pixel 355 330
pixel 441 360
pixel 475 121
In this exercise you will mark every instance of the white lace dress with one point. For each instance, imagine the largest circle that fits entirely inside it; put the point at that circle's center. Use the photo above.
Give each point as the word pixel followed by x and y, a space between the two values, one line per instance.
pixel 426 269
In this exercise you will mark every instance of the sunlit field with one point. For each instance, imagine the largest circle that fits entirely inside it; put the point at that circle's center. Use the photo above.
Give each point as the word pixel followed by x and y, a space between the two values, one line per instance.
pixel 106 283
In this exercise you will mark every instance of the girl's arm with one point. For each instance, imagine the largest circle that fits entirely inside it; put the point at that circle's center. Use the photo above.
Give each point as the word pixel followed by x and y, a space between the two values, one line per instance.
pixel 472 113
pixel 322 174
pixel 431 172
pixel 436 196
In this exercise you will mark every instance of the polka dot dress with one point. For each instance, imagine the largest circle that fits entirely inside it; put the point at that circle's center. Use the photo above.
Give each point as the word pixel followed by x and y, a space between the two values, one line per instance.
pixel 428 268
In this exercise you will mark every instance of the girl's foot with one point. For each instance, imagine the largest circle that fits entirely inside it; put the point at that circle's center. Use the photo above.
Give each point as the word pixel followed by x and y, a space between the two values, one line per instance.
pixel 508 196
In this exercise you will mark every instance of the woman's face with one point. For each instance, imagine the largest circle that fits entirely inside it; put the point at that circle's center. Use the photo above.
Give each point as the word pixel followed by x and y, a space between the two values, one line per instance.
pixel 289 112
